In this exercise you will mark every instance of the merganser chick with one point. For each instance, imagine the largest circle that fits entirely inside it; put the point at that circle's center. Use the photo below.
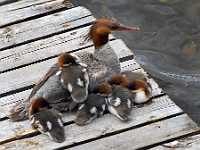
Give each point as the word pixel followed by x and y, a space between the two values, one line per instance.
pixel 94 106
pixel 137 83
pixel 142 91
pixel 104 61
pixel 75 78
pixel 57 87
pixel 120 103
pixel 46 120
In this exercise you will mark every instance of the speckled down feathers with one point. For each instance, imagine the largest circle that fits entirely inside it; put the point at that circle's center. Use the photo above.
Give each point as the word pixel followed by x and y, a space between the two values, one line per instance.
pixel 101 65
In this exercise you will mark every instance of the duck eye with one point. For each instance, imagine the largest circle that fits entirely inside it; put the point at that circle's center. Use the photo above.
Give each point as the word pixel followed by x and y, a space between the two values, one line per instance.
pixel 113 26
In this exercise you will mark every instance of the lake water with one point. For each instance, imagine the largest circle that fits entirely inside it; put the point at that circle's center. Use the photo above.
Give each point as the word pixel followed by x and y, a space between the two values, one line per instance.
pixel 169 45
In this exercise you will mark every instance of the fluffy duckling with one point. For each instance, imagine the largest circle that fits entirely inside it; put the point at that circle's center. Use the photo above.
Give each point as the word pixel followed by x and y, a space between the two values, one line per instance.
pixel 104 61
pixel 142 91
pixel 57 87
pixel 137 83
pixel 74 77
pixel 47 121
pixel 120 103
pixel 94 106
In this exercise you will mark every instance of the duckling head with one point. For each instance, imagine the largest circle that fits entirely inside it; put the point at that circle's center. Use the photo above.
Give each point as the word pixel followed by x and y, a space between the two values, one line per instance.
pixel 141 89
pixel 103 88
pixel 101 28
pixel 66 59
pixel 134 75
pixel 119 79
pixel 46 120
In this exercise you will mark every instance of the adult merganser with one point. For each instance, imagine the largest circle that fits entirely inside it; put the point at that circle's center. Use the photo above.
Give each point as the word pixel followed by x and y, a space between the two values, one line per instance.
pixel 104 61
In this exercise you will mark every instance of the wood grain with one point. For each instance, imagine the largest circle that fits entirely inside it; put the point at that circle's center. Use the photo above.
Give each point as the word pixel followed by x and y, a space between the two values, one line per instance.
pixel 159 108
pixel 7 102
pixel 144 136
pixel 188 143
pixel 43 49
pixel 13 15
pixel 44 26
pixel 29 75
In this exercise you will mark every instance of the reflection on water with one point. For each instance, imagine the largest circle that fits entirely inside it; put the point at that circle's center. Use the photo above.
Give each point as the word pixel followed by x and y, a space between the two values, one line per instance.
pixel 169 45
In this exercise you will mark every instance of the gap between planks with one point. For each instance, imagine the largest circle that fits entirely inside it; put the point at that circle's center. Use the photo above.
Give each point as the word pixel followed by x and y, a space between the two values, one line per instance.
pixel 38 70
pixel 187 143
pixel 5 2
pixel 32 11
pixel 21 4
pixel 20 127
pixel 43 49
pixel 11 83
pixel 29 31
pixel 7 102
pixel 160 108
pixel 145 136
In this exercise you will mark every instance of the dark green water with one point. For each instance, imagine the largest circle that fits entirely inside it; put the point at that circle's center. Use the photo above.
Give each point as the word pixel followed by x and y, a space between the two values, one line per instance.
pixel 169 46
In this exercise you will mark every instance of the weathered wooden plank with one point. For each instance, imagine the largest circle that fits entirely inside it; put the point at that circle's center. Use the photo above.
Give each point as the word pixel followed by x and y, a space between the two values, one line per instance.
pixel 3 2
pixel 21 4
pixel 144 136
pixel 189 143
pixel 41 27
pixel 42 49
pixel 14 130
pixel 18 14
pixel 159 108
pixel 17 79
pixel 8 101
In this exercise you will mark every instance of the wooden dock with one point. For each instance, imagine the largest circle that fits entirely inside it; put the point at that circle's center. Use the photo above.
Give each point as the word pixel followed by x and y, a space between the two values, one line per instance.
pixel 32 34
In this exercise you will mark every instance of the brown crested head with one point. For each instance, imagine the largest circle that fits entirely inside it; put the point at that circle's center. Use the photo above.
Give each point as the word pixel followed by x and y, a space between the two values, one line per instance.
pixel 66 59
pixel 103 88
pixel 37 104
pixel 101 28
pixel 139 85
pixel 119 80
